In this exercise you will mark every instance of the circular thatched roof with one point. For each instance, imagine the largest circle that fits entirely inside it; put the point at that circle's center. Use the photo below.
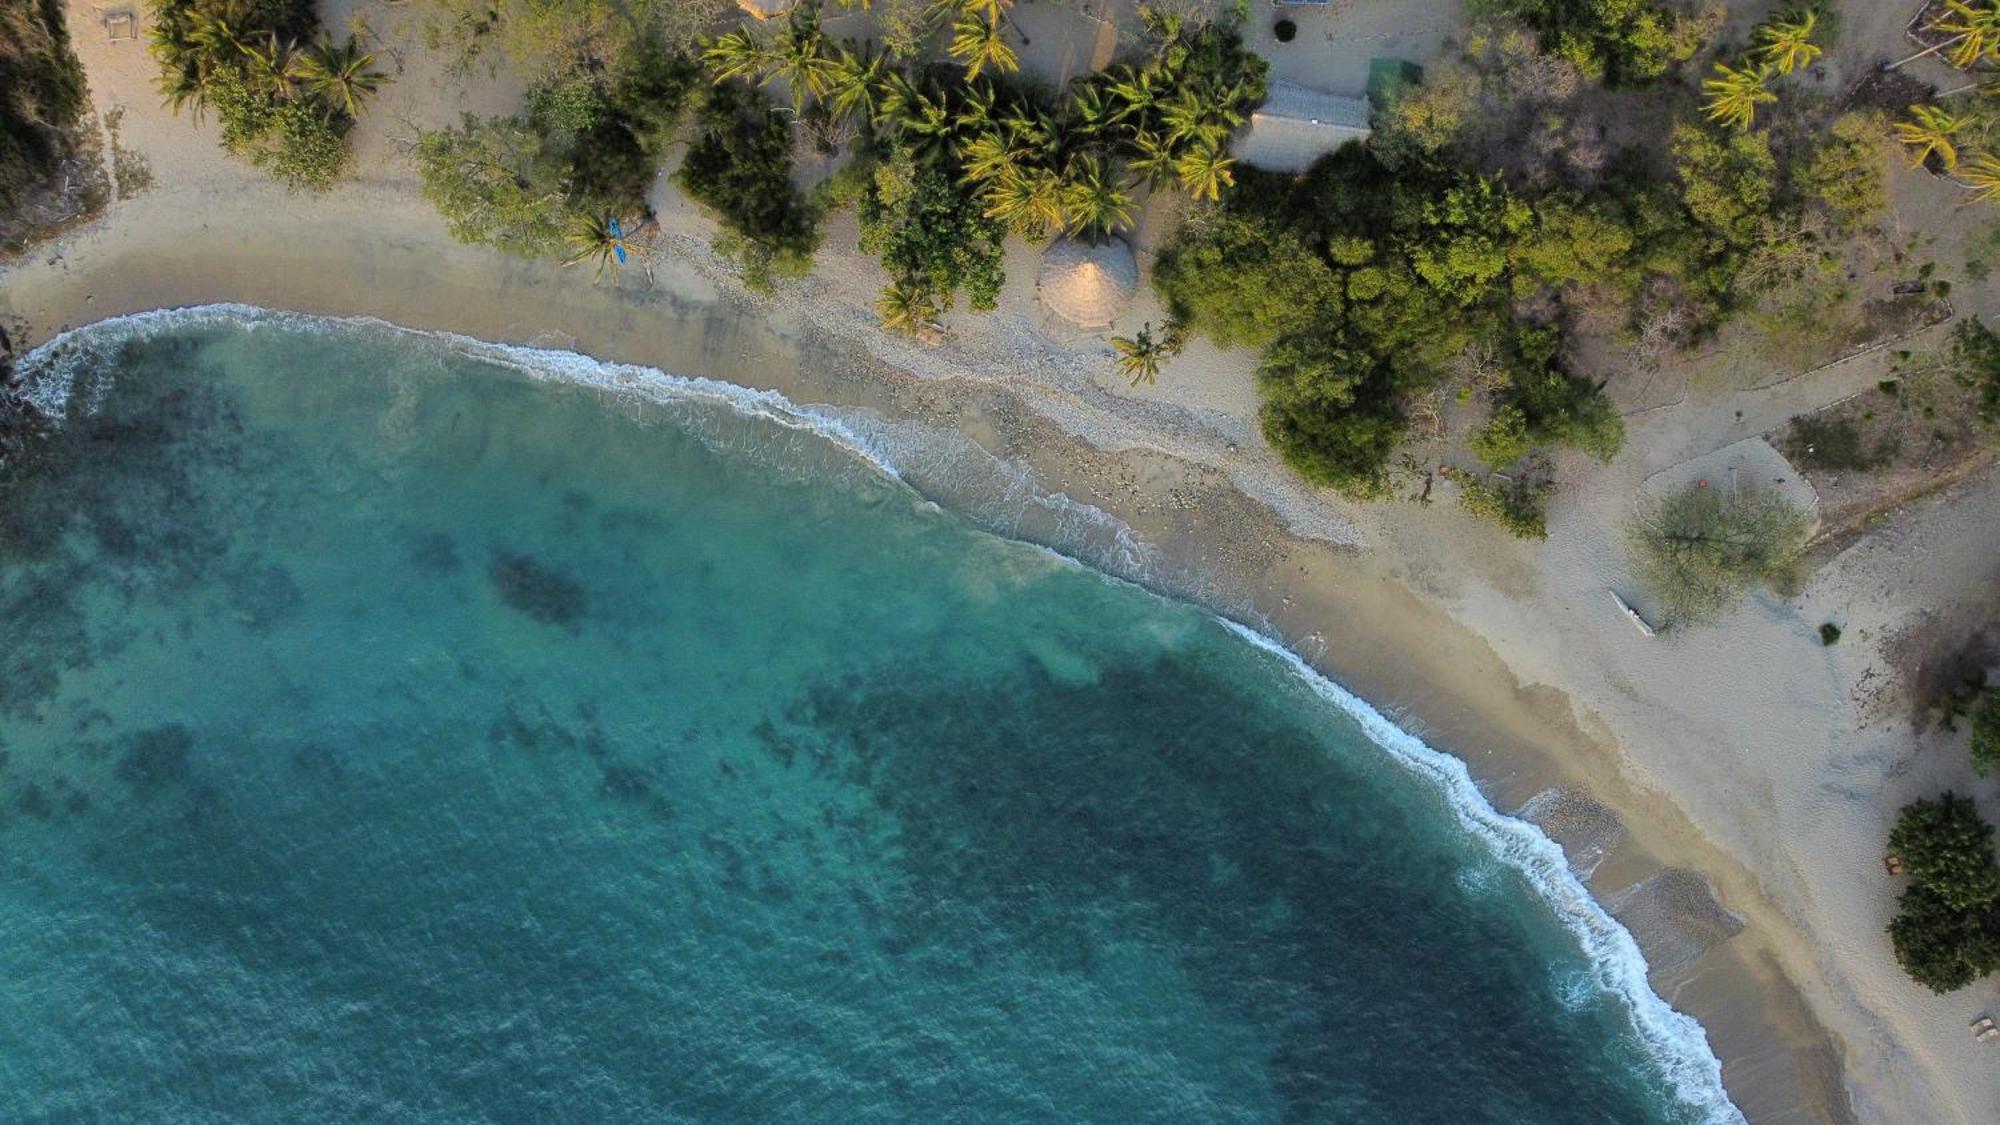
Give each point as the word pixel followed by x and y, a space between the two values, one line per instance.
pixel 1087 285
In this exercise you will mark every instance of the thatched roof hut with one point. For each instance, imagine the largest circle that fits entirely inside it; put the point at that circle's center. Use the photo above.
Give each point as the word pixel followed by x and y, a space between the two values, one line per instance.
pixel 1087 285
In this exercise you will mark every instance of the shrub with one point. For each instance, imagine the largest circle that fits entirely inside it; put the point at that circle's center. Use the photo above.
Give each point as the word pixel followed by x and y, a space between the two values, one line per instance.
pixel 1833 444
pixel 1519 505
pixel 1284 31
pixel 1946 932
pixel 1829 634
pixel 1698 551
pixel 1975 362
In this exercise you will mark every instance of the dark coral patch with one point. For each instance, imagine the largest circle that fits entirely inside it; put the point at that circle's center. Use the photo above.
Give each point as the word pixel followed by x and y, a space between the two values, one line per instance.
pixel 156 758
pixel 537 590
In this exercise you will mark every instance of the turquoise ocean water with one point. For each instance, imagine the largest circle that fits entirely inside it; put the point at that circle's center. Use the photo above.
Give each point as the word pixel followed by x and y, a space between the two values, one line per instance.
pixel 395 728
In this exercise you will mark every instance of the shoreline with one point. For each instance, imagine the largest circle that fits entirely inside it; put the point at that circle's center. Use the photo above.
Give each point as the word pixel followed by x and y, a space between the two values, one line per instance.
pixel 1443 682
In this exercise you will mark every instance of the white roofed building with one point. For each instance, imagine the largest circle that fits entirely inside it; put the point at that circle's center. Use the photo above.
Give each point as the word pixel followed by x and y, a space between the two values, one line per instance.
pixel 1297 125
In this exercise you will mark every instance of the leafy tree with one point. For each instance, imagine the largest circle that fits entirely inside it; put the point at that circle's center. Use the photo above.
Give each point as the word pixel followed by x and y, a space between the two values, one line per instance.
pixel 495 183
pixel 1842 174
pixel 1520 505
pixel 1734 94
pixel 931 237
pixel 1464 237
pixel 1624 42
pixel 1542 406
pixel 1728 184
pixel 1974 358
pixel 1947 927
pixel 1698 550
pixel 1326 413
pixel 1986 732
pixel 739 167
pixel 1240 279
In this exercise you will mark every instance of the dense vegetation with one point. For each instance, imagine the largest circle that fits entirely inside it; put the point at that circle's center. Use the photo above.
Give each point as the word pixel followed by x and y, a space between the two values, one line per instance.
pixel 949 159
pixel 41 94
pixel 1454 255
pixel 1946 931
pixel 1960 136
pixel 1699 549
pixel 739 166
pixel 586 149
pixel 1366 284
pixel 286 95
pixel 1619 41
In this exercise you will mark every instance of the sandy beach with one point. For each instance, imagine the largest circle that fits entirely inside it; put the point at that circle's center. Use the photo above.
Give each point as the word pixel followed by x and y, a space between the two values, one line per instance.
pixel 1726 791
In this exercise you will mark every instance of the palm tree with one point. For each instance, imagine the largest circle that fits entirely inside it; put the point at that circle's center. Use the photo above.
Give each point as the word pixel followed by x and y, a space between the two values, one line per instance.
pixel 1029 201
pixel 1091 109
pixel 1153 159
pixel 342 78
pixel 595 238
pixel 906 306
pixel 1133 87
pixel 1094 202
pixel 1930 132
pixel 1977 31
pixel 1204 171
pixel 994 154
pixel 1972 34
pixel 1734 95
pixel 1197 116
pixel 1140 357
pixel 1785 41
pixel 269 67
pixel 1981 176
pixel 920 121
pixel 855 85
pixel 739 54
pixel 800 58
pixel 976 44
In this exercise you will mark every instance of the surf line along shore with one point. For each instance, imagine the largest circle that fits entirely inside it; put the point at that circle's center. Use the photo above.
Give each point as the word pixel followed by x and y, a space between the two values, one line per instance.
pixel 378 252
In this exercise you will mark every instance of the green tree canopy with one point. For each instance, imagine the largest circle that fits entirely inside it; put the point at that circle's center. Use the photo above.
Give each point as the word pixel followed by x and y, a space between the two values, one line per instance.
pixel 1242 279
pixel 1699 549
pixel 1946 932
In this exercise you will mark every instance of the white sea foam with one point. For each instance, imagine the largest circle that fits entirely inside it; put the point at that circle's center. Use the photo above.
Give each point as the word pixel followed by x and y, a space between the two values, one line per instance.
pixel 1076 531
pixel 1672 1037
